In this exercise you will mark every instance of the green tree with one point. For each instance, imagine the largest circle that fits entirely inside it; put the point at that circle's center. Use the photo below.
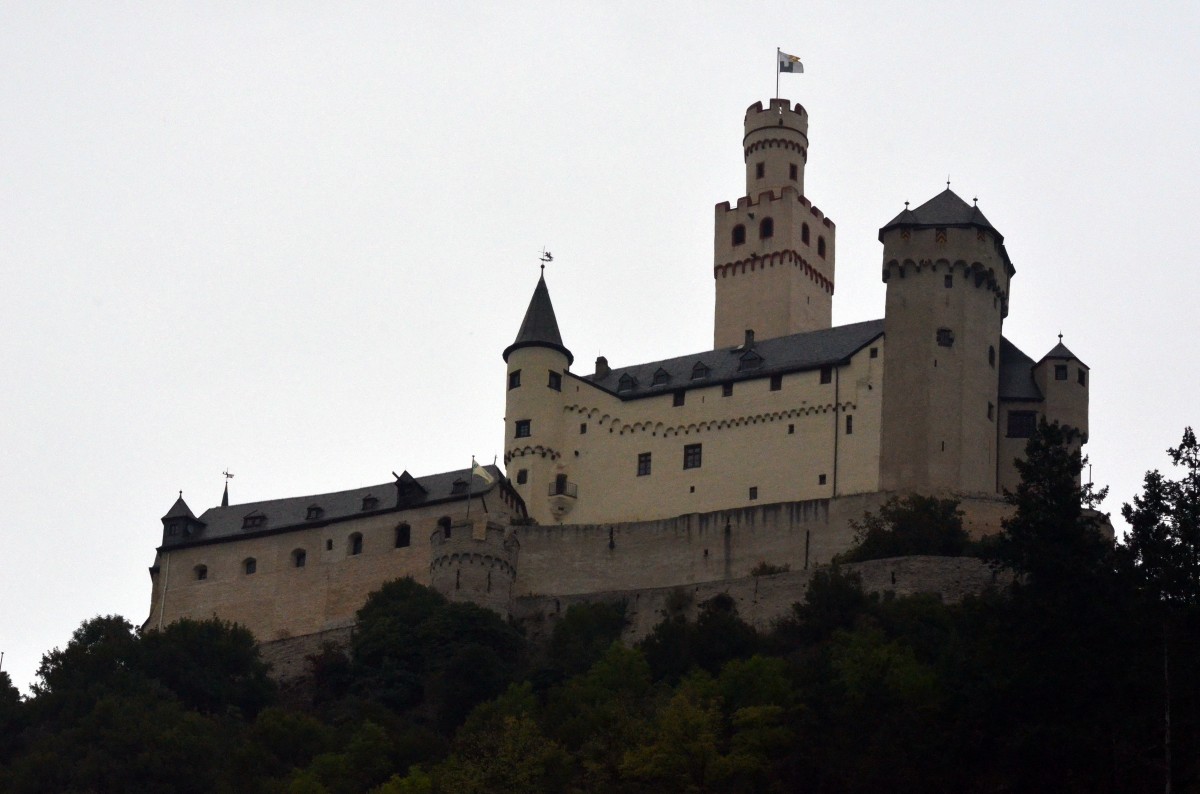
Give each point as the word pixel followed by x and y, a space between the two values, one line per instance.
pixel 583 634
pixel 913 524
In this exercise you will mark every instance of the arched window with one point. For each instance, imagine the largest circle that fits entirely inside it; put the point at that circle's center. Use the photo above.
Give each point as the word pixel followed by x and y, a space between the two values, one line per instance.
pixel 201 572
pixel 403 536
pixel 739 234
pixel 249 565
pixel 804 233
pixel 299 557
pixel 820 246
pixel 766 229
pixel 356 543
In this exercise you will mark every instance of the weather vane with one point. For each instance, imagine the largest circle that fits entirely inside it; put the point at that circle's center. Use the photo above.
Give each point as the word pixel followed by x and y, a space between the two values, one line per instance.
pixel 228 476
pixel 546 257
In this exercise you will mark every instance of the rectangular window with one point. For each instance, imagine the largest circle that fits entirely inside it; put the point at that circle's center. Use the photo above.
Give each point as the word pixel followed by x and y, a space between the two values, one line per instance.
pixel 1021 424
pixel 826 374
pixel 726 389
pixel 753 492
pixel 522 476
pixel 949 280
pixel 776 382
pixel 556 381
pixel 677 398
pixel 793 172
pixel 514 379
pixel 524 428
pixel 1060 371
pixel 791 429
pixel 403 536
pixel 1082 378
pixel 991 412
pixel 643 467
pixel 820 479
pixel 691 456
pixel 874 352
pixel 582 428
pixel 945 337
pixel 760 170
pixel 849 424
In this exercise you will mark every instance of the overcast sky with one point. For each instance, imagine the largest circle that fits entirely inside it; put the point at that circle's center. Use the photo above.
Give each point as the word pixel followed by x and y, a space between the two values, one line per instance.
pixel 292 239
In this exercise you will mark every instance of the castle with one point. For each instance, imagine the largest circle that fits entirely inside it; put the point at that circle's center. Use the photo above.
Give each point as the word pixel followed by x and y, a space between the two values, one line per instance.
pixel 685 471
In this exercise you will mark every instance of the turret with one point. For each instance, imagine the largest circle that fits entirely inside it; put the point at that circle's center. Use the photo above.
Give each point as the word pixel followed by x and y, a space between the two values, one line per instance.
pixel 180 523
pixel 773 253
pixel 947 274
pixel 1064 381
pixel 474 560
pixel 533 425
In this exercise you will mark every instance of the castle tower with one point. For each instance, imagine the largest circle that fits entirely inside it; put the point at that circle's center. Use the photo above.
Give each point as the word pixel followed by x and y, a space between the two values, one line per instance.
pixel 474 561
pixel 533 412
pixel 1064 381
pixel 947 275
pixel 773 253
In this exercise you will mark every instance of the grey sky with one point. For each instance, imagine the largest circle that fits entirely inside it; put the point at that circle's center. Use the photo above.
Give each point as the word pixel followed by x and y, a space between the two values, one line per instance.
pixel 293 238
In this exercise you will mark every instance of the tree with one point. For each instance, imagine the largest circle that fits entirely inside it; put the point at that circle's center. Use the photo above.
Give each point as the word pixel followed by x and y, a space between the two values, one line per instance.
pixel 583 634
pixel 1049 539
pixel 913 524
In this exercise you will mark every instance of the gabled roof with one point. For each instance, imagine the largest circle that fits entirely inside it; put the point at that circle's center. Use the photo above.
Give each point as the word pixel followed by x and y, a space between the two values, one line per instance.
pixel 1016 374
pixel 540 326
pixel 292 512
pixel 944 209
pixel 793 353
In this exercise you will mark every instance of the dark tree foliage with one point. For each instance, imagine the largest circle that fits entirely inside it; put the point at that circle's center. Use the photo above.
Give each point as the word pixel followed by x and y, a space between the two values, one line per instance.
pixel 211 665
pixel 583 634
pixel 677 645
pixel 1049 539
pixel 910 525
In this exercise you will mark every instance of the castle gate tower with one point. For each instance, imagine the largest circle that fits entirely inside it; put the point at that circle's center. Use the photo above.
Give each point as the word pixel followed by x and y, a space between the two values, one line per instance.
pixel 773 252
pixel 947 275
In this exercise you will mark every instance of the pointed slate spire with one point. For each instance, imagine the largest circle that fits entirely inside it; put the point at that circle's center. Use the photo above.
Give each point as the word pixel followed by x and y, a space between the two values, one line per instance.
pixel 1060 352
pixel 180 510
pixel 225 496
pixel 540 327
pixel 180 522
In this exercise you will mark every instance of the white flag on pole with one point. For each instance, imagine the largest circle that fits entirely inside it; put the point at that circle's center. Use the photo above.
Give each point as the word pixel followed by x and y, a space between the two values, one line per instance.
pixel 790 63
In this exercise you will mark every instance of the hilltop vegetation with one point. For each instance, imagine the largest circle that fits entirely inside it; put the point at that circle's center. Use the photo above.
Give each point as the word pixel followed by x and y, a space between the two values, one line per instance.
pixel 1063 681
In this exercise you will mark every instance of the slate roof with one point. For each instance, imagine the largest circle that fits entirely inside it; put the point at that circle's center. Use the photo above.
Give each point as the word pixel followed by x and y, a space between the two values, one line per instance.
pixel 1060 351
pixel 179 510
pixel 793 353
pixel 944 209
pixel 540 326
pixel 292 513
pixel 1016 374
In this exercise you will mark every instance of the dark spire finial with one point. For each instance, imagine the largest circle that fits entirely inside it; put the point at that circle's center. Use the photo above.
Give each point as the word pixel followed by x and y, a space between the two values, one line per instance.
pixel 976 200
pixel 181 494
pixel 947 181
pixel 546 257
pixel 906 205
pixel 1060 336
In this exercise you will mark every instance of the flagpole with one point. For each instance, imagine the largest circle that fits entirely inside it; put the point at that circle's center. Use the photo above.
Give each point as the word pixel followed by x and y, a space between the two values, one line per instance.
pixel 777 51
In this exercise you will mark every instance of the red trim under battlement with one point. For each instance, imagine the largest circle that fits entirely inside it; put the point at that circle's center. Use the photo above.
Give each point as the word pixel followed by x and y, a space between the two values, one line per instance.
pixel 782 258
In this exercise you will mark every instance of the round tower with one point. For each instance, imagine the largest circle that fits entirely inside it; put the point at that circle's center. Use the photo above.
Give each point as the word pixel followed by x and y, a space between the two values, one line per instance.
pixel 533 412
pixel 474 561
pixel 775 146
pixel 947 275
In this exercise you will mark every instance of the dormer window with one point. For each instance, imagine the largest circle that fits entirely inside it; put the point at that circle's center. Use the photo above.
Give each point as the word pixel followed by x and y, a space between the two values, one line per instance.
pixel 314 512
pixel 699 371
pixel 661 377
pixel 370 503
pixel 459 487
pixel 254 520
pixel 626 383
pixel 749 360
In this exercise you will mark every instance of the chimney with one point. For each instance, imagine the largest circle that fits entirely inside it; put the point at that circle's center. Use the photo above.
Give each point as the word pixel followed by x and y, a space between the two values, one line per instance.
pixel 601 366
pixel 749 339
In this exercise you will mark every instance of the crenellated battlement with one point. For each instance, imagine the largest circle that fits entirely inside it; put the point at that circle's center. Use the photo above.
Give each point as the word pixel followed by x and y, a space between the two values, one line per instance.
pixel 786 193
pixel 777 113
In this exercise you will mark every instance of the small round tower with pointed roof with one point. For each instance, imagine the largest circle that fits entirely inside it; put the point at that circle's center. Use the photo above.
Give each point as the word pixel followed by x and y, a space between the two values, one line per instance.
pixel 533 417
pixel 947 275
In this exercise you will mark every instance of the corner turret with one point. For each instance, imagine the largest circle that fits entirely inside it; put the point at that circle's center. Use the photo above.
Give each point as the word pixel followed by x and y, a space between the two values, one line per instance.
pixel 180 522
pixel 1064 381
pixel 538 365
